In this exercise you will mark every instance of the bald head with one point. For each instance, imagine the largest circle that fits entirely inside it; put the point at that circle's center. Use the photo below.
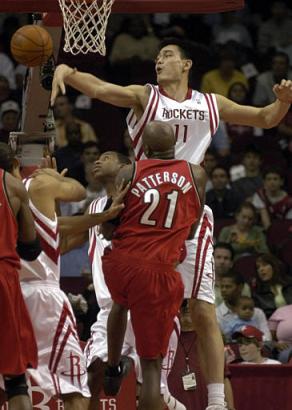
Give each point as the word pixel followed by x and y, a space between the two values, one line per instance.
pixel 158 137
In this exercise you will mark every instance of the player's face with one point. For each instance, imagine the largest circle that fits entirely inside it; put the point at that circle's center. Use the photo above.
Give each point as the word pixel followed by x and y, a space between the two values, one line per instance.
pixel 223 261
pixel 107 166
pixel 264 270
pixel 170 65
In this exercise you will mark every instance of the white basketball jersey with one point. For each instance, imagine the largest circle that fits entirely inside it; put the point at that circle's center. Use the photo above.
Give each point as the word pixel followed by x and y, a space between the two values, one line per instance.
pixel 97 244
pixel 195 120
pixel 47 265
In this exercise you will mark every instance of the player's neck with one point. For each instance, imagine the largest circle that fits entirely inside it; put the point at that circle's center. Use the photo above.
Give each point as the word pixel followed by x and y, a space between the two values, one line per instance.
pixel 162 155
pixel 178 91
pixel 110 188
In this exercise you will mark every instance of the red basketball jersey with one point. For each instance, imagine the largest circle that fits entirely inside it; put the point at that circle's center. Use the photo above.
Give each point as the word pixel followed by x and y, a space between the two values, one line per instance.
pixel 9 228
pixel 160 207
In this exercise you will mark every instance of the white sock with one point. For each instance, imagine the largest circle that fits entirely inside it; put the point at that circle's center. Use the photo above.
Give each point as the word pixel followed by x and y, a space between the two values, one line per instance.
pixel 172 403
pixel 216 394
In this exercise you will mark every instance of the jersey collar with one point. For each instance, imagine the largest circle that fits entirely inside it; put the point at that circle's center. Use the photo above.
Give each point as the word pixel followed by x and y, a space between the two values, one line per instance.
pixel 188 95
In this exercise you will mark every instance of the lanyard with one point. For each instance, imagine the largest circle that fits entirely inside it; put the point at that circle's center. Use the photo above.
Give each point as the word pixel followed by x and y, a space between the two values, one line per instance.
pixel 187 352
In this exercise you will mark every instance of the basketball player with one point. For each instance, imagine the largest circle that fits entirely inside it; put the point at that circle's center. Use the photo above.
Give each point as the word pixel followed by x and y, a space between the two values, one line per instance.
pixel 107 166
pixel 18 349
pixel 62 368
pixel 195 117
pixel 163 203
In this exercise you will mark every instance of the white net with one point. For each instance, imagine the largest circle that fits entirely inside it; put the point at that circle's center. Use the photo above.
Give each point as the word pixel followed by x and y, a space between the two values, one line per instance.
pixel 85 23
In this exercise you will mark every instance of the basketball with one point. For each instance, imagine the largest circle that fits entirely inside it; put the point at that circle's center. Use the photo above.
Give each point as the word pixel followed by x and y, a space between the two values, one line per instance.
pixel 31 45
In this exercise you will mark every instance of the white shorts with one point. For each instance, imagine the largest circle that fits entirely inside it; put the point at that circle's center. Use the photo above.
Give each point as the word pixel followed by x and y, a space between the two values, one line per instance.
pixel 61 362
pixel 96 346
pixel 197 269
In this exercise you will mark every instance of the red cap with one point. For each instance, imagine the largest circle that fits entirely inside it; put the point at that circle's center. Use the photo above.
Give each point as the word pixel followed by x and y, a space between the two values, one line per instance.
pixel 249 332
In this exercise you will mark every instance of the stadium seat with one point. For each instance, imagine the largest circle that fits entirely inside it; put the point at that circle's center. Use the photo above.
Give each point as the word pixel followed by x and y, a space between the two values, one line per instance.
pixel 285 252
pixel 246 266
pixel 221 223
pixel 278 233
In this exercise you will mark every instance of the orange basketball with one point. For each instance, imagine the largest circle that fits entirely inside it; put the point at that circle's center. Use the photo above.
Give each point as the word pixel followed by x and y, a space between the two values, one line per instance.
pixel 31 45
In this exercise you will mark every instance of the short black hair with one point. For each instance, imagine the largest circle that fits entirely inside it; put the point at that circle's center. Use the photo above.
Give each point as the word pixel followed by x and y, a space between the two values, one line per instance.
pixel 235 276
pixel 283 55
pixel 123 159
pixel 185 46
pixel 252 149
pixel 6 157
pixel 219 167
pixel 89 144
pixel 225 245
pixel 273 170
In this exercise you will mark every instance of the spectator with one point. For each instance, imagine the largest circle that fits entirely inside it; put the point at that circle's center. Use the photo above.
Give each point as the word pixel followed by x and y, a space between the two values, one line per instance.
pixel 136 41
pixel 230 29
pixel 280 324
pixel 271 290
pixel 9 114
pixel 220 79
pixel 263 94
pixel 7 70
pixel 63 111
pixel 271 200
pixel 244 236
pixel 5 91
pixel 250 341
pixel 231 285
pixel 223 260
pixel 252 181
pixel 222 199
pixel 277 31
pixel 210 162
pixel 89 154
pixel 70 154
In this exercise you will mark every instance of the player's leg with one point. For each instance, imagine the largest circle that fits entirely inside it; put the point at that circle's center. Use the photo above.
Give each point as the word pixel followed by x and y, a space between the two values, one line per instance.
pixel 75 401
pixel 116 329
pixel 16 391
pixel 149 398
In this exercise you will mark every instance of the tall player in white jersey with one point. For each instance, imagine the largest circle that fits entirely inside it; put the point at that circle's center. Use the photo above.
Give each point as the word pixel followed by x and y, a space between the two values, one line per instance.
pixel 173 65
pixel 96 349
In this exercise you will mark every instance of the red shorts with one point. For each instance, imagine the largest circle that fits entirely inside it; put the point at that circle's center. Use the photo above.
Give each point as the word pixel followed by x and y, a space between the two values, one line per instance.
pixel 17 342
pixel 152 292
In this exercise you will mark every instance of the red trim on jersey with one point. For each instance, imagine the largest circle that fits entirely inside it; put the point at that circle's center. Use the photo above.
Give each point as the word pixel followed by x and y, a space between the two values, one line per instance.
pixel 206 246
pixel 92 249
pixel 131 117
pixel 139 132
pixel 201 236
pixel 48 230
pixel 187 97
pixel 51 252
pixel 210 114
pixel 214 111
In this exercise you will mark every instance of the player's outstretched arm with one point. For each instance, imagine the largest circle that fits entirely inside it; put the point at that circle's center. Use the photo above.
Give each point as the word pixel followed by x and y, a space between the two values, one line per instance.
pixel 131 96
pixel 265 117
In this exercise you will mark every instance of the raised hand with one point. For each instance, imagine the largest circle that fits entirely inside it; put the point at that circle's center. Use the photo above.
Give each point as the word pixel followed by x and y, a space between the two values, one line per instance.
pixel 62 71
pixel 283 91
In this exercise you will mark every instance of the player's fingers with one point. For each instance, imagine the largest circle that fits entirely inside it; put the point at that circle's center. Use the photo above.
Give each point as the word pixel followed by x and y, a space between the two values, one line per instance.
pixel 43 163
pixel 62 87
pixel 54 163
pixel 283 82
pixel 64 172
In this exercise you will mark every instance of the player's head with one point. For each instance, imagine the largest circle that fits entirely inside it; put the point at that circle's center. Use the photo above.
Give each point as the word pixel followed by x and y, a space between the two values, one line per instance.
pixel 7 160
pixel 108 165
pixel 174 61
pixel 158 140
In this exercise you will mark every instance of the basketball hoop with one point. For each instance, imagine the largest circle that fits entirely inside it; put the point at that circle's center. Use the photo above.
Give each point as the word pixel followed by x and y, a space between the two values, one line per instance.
pixel 85 23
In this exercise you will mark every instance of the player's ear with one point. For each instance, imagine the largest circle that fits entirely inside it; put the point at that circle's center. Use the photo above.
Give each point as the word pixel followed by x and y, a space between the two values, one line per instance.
pixel 187 64
pixel 146 150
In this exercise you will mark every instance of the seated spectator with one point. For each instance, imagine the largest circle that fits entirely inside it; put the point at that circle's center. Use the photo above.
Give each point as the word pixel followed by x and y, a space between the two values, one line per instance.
pixel 135 41
pixel 280 324
pixel 231 285
pixel 277 30
pixel 7 69
pixel 231 29
pixel 244 236
pixel 244 308
pixel 222 199
pixel 223 261
pixel 280 69
pixel 69 155
pixel 271 290
pixel 5 91
pixel 9 114
pixel 63 112
pixel 220 79
pixel 271 200
pixel 89 154
pixel 210 162
pixel 250 341
pixel 252 181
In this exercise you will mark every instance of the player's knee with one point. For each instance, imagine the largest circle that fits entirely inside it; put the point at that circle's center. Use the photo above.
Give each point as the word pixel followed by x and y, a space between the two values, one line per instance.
pixel 15 386
pixel 203 314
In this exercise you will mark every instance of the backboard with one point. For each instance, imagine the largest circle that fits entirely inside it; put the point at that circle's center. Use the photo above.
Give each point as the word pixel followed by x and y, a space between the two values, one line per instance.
pixel 131 6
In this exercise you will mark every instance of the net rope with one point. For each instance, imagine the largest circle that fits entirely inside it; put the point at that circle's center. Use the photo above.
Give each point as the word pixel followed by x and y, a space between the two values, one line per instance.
pixel 85 23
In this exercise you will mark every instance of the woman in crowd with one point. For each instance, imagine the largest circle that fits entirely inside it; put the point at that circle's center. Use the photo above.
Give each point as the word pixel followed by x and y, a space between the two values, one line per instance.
pixel 280 324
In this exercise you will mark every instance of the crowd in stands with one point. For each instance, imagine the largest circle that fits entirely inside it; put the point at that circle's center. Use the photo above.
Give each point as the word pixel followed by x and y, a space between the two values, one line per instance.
pixel 240 55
